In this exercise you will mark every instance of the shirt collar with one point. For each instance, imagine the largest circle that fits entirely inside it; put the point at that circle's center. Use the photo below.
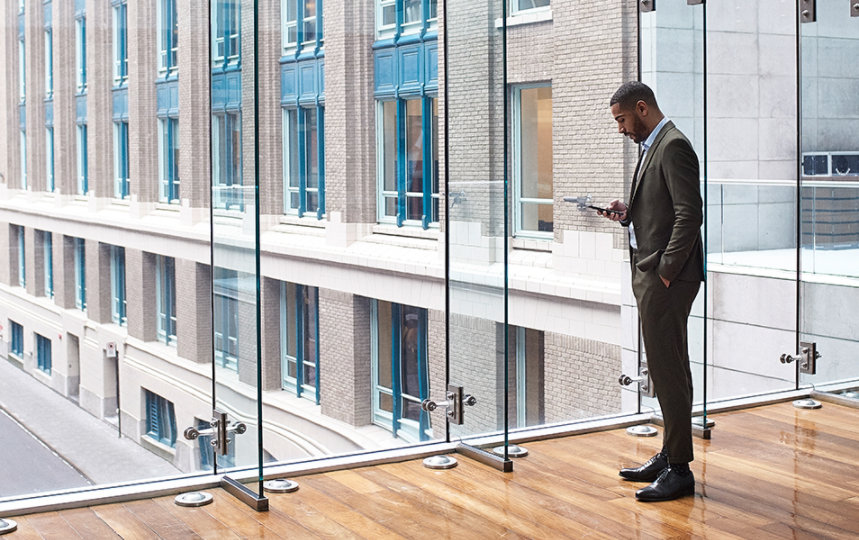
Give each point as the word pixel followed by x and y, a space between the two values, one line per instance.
pixel 645 146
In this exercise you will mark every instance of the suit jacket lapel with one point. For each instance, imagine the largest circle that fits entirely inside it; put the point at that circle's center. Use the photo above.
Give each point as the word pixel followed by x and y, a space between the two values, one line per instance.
pixel 643 164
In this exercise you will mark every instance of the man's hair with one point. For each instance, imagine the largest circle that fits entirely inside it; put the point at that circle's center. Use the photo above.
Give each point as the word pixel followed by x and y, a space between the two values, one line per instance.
pixel 631 93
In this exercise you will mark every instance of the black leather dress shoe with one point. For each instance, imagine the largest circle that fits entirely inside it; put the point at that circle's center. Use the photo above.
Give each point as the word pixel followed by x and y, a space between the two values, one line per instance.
pixel 647 472
pixel 670 485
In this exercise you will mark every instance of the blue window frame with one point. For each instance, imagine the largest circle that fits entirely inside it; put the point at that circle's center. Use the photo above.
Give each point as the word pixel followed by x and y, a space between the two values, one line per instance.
pixel 168 135
pixel 17 345
pixel 301 25
pixel 49 63
pixel 533 194
pixel 226 317
pixel 160 419
pixel 43 354
pixel 121 160
pixel 79 246
pixel 22 254
pixel 304 160
pixel 299 340
pixel 408 184
pixel 168 38
pixel 397 17
pixel 49 158
pixel 400 369
pixel 83 167
pixel 118 304
pixel 48 260
pixel 226 33
pixel 120 43
pixel 227 160
pixel 165 285
pixel 80 52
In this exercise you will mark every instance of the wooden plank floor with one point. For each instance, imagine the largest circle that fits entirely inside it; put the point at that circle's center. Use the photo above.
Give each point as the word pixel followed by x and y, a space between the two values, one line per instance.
pixel 769 472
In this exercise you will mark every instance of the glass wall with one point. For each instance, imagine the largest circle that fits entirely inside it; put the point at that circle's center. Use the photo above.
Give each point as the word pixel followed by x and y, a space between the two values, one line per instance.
pixel 829 198
pixel 300 221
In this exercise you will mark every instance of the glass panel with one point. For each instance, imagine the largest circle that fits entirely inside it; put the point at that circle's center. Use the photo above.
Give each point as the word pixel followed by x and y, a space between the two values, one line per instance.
pixel 235 243
pixel 829 198
pixel 672 64
pixel 475 219
pixel 751 197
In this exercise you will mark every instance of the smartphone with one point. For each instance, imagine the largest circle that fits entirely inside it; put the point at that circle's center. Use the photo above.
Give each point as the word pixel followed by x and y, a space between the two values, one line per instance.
pixel 606 210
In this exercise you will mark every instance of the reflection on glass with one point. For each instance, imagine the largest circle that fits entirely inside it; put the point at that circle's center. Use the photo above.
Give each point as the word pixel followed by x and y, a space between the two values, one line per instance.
pixel 388 166
pixel 533 158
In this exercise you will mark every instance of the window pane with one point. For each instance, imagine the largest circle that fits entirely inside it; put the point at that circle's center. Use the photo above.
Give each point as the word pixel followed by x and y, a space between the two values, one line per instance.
pixel 384 337
pixel 311 157
pixel 291 150
pixel 389 146
pixel 389 15
pixel 530 4
pixel 410 351
pixel 536 142
pixel 386 402
pixel 291 332
pixel 535 158
pixel 412 11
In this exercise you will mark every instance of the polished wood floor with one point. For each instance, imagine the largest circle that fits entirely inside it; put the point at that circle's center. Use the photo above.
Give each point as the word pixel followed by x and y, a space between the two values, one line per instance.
pixel 768 472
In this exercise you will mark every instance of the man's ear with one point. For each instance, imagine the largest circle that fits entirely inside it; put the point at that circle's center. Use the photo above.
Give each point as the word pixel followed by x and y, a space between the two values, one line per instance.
pixel 641 107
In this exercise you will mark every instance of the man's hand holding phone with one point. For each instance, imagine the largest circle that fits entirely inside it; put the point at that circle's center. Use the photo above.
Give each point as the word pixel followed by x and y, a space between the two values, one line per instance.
pixel 615 211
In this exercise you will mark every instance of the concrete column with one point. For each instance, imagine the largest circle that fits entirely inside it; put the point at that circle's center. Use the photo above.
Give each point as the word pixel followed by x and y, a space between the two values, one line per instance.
pixel 140 291
pixel 65 145
pixel 344 346
pixel 64 271
pixel 99 52
pixel 143 102
pixel 270 327
pixel 350 162
pixel 194 104
pixel 98 298
pixel 193 311
pixel 9 269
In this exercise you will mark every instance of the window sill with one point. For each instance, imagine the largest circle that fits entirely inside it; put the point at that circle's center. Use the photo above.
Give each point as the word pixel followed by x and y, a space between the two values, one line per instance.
pixel 305 221
pixel 157 447
pixel 530 16
pixel 173 208
pixel 407 231
pixel 532 244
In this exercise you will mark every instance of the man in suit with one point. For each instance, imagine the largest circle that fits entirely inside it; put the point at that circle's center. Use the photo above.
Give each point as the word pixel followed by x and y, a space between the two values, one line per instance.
pixel 664 216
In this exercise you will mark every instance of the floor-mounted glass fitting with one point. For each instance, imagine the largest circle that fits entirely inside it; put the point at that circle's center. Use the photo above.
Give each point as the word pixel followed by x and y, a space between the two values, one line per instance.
pixel 7 526
pixel 440 462
pixel 699 422
pixel 280 485
pixel 641 431
pixel 807 403
pixel 193 498
pixel 513 450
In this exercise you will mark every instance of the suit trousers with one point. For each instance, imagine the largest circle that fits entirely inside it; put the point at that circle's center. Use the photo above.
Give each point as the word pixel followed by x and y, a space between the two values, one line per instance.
pixel 664 313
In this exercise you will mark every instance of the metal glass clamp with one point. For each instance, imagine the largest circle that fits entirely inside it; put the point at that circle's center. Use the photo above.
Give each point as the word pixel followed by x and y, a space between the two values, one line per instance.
pixel 220 430
pixel 807 357
pixel 643 381
pixel 454 403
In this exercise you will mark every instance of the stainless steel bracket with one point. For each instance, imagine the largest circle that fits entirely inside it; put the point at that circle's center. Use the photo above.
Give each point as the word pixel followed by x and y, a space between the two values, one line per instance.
pixel 455 400
pixel 807 11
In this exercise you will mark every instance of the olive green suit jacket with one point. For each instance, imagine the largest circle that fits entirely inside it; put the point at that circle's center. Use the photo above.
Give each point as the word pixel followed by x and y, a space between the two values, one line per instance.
pixel 666 210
